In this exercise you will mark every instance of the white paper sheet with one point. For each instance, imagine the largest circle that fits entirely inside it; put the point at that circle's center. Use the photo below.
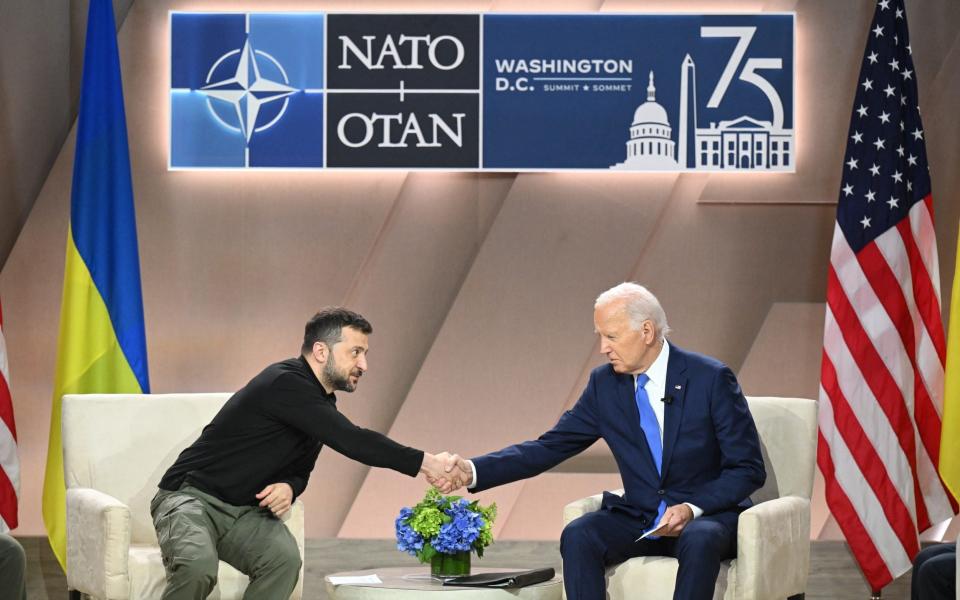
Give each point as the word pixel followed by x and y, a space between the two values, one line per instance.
pixel 656 531
pixel 355 580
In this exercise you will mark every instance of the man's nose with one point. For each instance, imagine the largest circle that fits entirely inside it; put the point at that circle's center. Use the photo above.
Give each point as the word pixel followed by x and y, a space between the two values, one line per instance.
pixel 362 363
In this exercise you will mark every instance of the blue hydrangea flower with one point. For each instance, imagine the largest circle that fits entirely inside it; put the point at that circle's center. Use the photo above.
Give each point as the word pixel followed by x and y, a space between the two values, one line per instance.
pixel 463 529
pixel 408 540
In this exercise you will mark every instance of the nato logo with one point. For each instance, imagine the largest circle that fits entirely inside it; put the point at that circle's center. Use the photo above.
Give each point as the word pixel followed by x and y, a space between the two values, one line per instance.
pixel 246 90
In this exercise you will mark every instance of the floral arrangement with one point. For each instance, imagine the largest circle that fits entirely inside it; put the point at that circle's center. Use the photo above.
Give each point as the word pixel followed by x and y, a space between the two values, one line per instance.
pixel 444 525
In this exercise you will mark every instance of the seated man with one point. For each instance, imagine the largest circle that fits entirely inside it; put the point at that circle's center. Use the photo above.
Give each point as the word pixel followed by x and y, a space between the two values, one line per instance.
pixel 935 573
pixel 221 498
pixel 682 435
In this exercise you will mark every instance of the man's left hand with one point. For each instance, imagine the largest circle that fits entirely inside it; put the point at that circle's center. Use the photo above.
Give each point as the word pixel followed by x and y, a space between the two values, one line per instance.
pixel 278 497
pixel 675 518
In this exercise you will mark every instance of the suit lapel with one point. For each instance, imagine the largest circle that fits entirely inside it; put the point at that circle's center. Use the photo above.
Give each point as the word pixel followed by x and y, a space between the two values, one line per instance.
pixel 627 402
pixel 676 388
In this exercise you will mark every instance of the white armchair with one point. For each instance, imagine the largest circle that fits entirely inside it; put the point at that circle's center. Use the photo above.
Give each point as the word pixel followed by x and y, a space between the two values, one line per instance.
pixel 115 449
pixel 773 536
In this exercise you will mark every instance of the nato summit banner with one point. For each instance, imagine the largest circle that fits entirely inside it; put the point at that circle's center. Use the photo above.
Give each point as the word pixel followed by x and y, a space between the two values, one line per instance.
pixel 468 92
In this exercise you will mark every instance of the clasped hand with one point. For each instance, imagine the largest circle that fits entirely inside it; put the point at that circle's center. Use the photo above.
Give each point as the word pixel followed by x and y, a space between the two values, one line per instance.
pixel 446 472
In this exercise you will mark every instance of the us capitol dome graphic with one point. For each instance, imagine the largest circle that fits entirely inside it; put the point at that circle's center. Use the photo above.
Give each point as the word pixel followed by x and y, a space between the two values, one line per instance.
pixel 650 147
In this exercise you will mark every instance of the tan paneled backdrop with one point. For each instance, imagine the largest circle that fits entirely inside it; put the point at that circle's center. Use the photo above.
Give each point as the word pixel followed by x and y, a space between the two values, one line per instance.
pixel 480 287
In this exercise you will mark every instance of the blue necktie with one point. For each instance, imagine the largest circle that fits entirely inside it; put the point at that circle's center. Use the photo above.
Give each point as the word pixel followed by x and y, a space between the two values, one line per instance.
pixel 651 429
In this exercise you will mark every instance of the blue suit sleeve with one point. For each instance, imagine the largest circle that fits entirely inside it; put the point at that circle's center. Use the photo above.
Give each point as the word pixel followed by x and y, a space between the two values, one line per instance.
pixel 576 431
pixel 741 460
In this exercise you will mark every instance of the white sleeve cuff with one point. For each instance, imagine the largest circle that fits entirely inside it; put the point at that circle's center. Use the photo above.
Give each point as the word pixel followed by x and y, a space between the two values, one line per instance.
pixel 697 511
pixel 473 483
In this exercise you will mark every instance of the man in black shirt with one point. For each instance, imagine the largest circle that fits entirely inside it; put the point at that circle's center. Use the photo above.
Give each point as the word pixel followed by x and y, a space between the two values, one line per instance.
pixel 221 498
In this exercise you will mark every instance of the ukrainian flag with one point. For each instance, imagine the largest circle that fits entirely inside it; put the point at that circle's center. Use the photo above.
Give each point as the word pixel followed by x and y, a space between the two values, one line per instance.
pixel 102 345
pixel 950 435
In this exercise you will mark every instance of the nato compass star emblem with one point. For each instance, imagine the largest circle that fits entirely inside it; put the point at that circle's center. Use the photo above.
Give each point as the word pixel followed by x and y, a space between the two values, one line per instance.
pixel 246 90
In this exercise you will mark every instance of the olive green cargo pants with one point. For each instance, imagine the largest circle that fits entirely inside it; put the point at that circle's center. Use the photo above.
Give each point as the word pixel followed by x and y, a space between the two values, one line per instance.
pixel 196 530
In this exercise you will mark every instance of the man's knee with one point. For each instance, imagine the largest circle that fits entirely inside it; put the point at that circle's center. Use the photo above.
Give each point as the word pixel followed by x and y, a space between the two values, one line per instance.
pixel 578 536
pixel 282 555
pixel 703 537
pixel 201 568
pixel 12 556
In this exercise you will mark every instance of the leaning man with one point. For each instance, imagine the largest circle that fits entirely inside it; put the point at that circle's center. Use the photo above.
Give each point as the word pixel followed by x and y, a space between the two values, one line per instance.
pixel 222 497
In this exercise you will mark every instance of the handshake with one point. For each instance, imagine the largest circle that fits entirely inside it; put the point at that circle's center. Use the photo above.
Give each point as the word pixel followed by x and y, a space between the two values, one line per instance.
pixel 446 472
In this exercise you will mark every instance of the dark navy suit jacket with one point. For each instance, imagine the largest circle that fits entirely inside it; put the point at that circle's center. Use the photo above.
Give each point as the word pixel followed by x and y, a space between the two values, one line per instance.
pixel 711 451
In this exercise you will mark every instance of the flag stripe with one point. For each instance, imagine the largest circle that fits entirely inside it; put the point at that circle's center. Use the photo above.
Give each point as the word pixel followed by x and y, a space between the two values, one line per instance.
pixel 89 360
pixel 873 371
pixel 6 406
pixel 851 283
pixel 921 224
pixel 9 461
pixel 8 503
pixel 101 205
pixel 887 267
pixel 4 366
pixel 893 251
pixel 856 510
pixel 874 467
pixel 876 454
pixel 848 518
pixel 934 504
pixel 927 303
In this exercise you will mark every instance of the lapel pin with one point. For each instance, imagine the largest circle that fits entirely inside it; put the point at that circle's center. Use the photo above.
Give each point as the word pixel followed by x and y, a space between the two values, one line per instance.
pixel 676 387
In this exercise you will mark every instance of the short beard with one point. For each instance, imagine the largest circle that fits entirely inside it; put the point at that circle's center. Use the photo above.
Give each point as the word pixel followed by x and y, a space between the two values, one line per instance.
pixel 335 379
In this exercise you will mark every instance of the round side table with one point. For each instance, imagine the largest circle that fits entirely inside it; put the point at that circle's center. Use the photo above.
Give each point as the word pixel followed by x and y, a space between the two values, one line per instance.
pixel 416 584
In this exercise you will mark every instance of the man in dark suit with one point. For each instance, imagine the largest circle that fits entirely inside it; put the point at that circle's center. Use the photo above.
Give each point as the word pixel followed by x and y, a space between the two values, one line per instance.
pixel 683 438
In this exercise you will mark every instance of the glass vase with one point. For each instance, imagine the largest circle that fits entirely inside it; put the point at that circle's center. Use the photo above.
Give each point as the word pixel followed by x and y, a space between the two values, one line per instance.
pixel 450 565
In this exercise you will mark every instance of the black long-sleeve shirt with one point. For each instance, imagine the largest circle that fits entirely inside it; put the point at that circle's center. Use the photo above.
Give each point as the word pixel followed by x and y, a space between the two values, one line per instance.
pixel 271 431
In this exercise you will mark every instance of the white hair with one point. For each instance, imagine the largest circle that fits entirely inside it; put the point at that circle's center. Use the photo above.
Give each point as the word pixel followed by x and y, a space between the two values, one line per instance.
pixel 640 305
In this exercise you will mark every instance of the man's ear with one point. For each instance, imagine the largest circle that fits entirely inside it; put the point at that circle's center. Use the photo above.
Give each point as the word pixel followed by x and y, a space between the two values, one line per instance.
pixel 649 331
pixel 320 352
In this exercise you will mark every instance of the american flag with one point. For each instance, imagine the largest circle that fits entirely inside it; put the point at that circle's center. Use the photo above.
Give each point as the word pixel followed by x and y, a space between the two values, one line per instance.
pixel 9 464
pixel 881 384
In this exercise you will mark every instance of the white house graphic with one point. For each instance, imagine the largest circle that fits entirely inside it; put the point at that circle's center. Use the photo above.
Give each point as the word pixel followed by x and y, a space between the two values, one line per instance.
pixel 743 143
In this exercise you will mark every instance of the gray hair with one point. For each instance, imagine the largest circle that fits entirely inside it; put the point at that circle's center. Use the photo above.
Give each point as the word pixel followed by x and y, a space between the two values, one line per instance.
pixel 640 305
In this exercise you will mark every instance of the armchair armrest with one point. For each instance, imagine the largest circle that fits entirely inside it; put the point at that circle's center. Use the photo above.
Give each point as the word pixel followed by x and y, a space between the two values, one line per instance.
pixel 98 544
pixel 773 549
pixel 293 519
pixel 578 508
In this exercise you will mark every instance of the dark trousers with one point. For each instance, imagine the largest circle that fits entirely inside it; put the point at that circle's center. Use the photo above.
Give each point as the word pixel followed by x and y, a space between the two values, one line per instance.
pixel 935 573
pixel 13 569
pixel 605 538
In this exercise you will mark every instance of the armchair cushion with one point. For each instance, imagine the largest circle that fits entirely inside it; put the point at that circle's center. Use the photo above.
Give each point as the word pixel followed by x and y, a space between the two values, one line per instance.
pixel 116 447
